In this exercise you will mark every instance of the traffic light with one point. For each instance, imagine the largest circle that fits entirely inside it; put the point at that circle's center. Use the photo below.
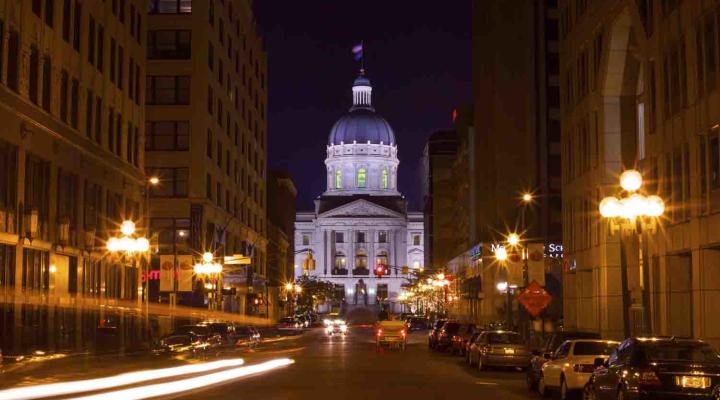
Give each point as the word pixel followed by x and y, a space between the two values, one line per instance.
pixel 380 270
pixel 309 263
pixel 405 269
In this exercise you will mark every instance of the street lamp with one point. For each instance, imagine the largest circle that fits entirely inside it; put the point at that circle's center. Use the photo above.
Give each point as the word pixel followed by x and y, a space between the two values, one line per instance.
pixel 211 271
pixel 527 197
pixel 501 253
pixel 513 239
pixel 630 211
pixel 128 245
pixel 504 287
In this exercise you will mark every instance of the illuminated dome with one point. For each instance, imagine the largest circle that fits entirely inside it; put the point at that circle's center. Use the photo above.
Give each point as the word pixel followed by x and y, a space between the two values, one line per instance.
pixel 361 124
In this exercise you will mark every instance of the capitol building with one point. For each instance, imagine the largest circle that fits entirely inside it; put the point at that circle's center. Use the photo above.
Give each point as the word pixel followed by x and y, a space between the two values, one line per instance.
pixel 361 220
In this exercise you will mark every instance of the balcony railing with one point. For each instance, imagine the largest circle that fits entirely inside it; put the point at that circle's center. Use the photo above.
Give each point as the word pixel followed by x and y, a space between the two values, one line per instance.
pixel 361 271
pixel 339 271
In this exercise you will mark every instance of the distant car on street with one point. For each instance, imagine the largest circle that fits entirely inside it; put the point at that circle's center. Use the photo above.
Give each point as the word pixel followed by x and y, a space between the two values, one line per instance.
pixel 336 327
pixel 192 338
pixel 551 344
pixel 657 368
pixel 434 332
pixel 417 323
pixel 290 323
pixel 391 333
pixel 468 344
pixel 570 367
pixel 499 349
pixel 247 336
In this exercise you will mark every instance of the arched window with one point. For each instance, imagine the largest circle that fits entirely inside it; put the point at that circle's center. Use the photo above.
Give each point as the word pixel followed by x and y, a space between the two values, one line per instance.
pixel 340 261
pixel 360 260
pixel 338 179
pixel 382 258
pixel 385 179
pixel 361 178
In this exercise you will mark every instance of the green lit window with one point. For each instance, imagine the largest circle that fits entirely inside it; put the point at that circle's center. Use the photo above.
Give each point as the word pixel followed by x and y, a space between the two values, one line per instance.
pixel 338 179
pixel 384 179
pixel 361 178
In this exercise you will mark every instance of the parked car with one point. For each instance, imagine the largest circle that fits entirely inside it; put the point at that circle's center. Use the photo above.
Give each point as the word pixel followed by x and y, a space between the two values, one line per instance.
pixel 551 344
pixel 247 336
pixel 499 349
pixel 417 323
pixel 445 335
pixel 290 323
pixel 569 369
pixel 459 339
pixel 189 338
pixel 434 332
pixel 226 330
pixel 657 368
pixel 469 343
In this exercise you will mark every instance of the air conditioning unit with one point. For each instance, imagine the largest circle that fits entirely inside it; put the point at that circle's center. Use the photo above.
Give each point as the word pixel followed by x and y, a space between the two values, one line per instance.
pixel 89 238
pixel 31 223
pixel 64 231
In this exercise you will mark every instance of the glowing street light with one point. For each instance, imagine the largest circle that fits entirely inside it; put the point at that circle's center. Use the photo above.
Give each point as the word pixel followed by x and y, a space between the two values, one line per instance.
pixel 501 254
pixel 502 286
pixel 631 180
pixel 513 239
pixel 154 180
pixel 527 197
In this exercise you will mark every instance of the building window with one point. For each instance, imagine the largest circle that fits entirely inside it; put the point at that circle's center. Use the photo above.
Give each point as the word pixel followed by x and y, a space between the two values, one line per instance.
pixel 167 135
pixel 172 234
pixel 67 200
pixel 74 103
pixel 91 41
pixel 360 263
pixel 361 177
pixel 33 74
pixel 100 47
pixel 37 188
pixel 385 179
pixel 338 179
pixel 382 292
pixel 49 12
pixel 67 8
pixel 8 186
pixel 340 261
pixel 382 258
pixel 37 8
pixel 77 26
pixel 170 6
pixel 120 66
pixel 13 59
pixel 168 45
pixel 382 237
pixel 173 182
pixel 89 114
pixel 416 240
pixel 416 265
pixel 306 240
pixel 113 59
pixel 46 83
pixel 168 90
pixel 7 265
pixel 339 237
pixel 36 269
pixel 360 237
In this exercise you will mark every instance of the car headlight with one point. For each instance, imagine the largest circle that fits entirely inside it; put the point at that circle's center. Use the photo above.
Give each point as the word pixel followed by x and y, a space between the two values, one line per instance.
pixel 343 328
pixel 327 322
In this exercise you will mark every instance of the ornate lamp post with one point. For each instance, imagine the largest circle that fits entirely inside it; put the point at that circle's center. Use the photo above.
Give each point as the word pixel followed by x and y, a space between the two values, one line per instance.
pixel 210 272
pixel 630 211
pixel 292 291
pixel 128 245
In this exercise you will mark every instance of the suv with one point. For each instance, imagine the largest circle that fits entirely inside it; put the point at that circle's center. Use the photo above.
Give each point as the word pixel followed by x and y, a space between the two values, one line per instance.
pixel 551 345
pixel 445 335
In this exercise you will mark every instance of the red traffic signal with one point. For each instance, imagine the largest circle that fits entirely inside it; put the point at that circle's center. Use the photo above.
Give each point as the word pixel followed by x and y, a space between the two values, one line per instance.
pixel 380 270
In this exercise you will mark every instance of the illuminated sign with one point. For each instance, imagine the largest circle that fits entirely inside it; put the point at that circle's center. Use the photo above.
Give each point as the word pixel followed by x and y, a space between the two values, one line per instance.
pixel 554 250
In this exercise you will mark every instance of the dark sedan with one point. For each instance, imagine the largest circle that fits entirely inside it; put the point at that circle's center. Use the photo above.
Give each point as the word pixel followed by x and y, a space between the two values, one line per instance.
pixel 444 338
pixel 435 332
pixel 657 369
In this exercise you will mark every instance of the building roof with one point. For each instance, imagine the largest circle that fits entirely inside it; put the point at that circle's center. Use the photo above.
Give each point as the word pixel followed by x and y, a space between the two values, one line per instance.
pixel 394 203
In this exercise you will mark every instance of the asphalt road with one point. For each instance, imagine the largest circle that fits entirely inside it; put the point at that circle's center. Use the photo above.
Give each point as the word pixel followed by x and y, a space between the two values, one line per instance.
pixel 350 368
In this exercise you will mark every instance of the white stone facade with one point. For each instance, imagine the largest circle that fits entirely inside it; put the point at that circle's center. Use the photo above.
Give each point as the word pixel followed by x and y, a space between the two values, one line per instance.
pixel 361 220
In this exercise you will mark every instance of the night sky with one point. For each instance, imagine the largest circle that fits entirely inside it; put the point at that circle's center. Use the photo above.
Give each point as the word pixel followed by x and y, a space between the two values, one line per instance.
pixel 417 55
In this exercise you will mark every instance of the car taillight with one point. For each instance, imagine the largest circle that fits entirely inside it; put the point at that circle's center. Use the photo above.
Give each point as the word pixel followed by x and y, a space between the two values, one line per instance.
pixel 379 332
pixel 402 332
pixel 584 368
pixel 649 378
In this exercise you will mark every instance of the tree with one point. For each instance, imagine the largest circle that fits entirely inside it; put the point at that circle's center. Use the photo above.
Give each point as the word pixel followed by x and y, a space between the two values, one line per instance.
pixel 315 291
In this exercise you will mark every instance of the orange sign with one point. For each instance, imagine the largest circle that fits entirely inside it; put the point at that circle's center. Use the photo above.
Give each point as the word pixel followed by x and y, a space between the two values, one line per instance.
pixel 534 298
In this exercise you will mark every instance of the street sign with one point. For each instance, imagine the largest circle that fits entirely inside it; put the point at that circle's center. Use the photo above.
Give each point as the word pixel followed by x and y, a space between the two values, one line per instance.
pixel 534 298
pixel 237 259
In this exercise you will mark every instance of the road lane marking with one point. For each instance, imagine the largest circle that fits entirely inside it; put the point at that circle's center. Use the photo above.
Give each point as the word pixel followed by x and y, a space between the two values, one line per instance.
pixel 57 389
pixel 486 383
pixel 184 385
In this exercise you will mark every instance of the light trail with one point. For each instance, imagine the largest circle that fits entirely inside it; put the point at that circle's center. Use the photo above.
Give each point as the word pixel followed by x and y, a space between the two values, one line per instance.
pixel 57 389
pixel 184 385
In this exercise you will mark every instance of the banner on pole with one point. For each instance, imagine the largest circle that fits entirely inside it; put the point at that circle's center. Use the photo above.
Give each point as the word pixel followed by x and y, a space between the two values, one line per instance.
pixel 185 273
pixel 536 263
pixel 166 273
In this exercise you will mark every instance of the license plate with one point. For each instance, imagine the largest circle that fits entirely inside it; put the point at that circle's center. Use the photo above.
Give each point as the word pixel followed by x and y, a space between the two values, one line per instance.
pixel 693 382
pixel 509 351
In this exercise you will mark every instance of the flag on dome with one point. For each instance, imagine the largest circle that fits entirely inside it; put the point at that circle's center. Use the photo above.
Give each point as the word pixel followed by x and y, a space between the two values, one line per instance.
pixel 357 51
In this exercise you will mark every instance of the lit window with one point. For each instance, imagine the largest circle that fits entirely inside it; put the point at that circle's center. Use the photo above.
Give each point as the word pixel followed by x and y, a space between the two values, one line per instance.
pixel 361 178
pixel 338 179
pixel 384 179
pixel 382 237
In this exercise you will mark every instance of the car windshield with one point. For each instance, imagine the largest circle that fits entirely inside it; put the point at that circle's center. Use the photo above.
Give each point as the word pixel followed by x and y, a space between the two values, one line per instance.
pixel 594 348
pixel 666 351
pixel 504 338
pixel 560 338
pixel 452 327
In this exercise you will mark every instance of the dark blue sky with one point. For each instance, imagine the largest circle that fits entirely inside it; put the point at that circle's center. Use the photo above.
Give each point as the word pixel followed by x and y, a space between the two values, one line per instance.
pixel 417 54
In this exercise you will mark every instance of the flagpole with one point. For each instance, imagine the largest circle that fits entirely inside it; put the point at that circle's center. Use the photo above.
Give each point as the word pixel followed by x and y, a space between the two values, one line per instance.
pixel 362 58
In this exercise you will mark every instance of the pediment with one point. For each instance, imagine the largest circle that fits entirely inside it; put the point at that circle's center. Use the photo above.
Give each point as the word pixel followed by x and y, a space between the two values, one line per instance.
pixel 360 208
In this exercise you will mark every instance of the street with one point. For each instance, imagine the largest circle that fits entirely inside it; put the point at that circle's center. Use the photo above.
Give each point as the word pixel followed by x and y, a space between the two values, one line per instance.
pixel 350 368
pixel 324 368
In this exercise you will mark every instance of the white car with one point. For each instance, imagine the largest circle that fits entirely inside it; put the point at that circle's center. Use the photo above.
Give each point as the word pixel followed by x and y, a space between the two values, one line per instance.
pixel 336 327
pixel 572 364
